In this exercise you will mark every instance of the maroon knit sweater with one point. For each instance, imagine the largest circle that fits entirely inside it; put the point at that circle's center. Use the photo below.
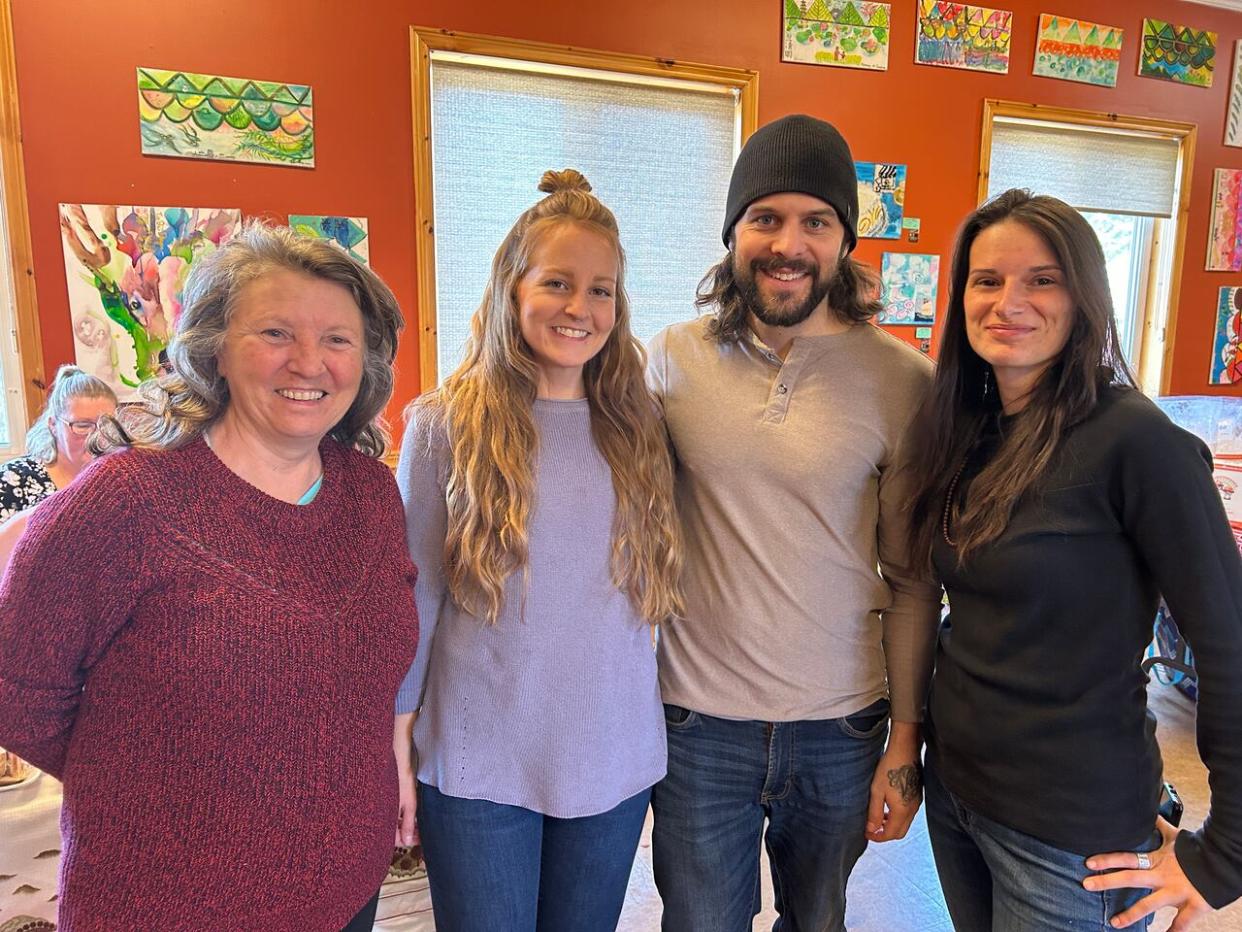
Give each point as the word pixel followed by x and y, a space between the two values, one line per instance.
pixel 212 672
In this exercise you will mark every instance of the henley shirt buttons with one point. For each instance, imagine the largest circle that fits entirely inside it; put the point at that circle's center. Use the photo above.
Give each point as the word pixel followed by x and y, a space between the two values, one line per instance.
pixel 781 389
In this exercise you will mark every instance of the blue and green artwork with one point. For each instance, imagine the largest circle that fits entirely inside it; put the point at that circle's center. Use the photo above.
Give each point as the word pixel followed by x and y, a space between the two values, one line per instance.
pixel 350 233
pixel 908 287
pixel 881 199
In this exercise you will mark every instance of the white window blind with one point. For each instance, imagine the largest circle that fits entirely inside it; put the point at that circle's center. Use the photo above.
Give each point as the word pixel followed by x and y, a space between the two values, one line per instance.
pixel 1104 170
pixel 657 153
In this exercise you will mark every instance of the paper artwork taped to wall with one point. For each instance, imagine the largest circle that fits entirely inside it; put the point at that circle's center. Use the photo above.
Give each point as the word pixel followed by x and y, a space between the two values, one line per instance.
pixel 126 268
pixel 350 233
pixel 962 35
pixel 842 33
pixel 881 199
pixel 1075 50
pixel 909 282
pixel 204 116
pixel 1227 346
pixel 1233 118
pixel 1177 53
pixel 1224 252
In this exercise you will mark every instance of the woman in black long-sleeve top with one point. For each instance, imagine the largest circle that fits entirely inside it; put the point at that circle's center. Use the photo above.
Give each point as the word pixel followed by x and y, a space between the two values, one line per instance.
pixel 1057 504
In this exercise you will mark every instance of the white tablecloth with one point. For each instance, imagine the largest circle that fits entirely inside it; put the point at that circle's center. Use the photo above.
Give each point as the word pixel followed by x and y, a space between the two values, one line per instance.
pixel 29 849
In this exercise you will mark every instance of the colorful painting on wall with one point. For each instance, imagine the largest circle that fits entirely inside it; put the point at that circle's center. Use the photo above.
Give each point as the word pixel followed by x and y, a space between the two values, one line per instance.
pixel 1233 118
pixel 350 233
pixel 881 199
pixel 204 116
pixel 1177 53
pixel 1075 50
pixel 961 35
pixel 126 268
pixel 842 33
pixel 1224 252
pixel 909 282
pixel 1227 345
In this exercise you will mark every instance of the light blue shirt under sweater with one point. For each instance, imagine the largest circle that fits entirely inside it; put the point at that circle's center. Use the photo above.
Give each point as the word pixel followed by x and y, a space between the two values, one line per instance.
pixel 558 712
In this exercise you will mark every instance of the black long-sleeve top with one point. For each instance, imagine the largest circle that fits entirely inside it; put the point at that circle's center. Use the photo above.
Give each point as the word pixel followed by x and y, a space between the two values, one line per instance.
pixel 1038 707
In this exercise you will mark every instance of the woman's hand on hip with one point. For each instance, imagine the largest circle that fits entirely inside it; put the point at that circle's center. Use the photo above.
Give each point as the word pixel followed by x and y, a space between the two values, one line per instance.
pixel 1157 870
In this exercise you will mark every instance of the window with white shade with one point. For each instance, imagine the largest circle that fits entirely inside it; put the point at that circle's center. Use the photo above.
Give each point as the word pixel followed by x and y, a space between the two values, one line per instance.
pixel 657 149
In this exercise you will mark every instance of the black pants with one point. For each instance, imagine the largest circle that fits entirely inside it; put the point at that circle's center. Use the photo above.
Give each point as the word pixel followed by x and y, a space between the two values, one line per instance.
pixel 365 918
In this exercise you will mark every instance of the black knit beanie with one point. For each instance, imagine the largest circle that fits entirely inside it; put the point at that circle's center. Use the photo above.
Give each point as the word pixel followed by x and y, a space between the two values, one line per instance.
pixel 795 153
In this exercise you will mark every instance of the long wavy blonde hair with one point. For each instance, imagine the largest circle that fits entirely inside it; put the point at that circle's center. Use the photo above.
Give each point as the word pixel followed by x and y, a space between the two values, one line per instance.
pixel 486 409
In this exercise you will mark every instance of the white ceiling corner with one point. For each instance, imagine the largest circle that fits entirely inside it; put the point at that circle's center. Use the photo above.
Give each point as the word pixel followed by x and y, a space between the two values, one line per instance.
pixel 1235 5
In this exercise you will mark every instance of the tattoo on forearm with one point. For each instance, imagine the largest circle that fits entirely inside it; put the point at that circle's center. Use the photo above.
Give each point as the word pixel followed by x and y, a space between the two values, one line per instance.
pixel 907 780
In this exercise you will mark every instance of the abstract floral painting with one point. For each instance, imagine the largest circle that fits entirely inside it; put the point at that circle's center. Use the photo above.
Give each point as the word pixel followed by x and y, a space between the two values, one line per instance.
pixel 1075 50
pixel 1233 118
pixel 881 199
pixel 126 268
pixel 1224 252
pixel 908 287
pixel 203 116
pixel 843 33
pixel 1177 53
pixel 961 35
pixel 1227 345
pixel 350 233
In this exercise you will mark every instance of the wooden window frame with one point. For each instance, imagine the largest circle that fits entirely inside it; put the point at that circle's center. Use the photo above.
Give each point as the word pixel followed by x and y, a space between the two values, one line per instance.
pixel 1186 135
pixel 17 218
pixel 424 41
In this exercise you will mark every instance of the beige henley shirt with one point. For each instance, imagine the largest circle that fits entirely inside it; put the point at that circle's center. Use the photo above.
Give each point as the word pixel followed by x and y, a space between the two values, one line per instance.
pixel 800 604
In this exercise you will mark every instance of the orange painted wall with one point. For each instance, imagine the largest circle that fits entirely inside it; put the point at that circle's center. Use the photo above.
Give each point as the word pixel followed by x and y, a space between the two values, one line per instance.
pixel 76 64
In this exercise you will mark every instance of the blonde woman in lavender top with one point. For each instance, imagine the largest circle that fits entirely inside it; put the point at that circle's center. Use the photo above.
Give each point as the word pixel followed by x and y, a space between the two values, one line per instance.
pixel 538 493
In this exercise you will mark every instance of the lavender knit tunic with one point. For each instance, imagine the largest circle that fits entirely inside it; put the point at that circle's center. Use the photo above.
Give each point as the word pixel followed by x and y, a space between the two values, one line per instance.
pixel 558 711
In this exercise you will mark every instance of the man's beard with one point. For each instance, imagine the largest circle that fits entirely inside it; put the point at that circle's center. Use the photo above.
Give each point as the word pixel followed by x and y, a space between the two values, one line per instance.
pixel 785 311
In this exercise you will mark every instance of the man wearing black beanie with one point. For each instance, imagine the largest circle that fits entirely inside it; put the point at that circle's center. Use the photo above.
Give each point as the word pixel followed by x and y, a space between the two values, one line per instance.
pixel 785 407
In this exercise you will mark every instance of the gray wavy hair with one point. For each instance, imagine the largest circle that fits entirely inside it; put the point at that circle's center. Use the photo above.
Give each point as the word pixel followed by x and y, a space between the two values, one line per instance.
pixel 180 404
pixel 70 383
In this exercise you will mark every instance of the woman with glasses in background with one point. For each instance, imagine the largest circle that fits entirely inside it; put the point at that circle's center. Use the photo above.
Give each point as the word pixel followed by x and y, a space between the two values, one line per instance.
pixel 56 442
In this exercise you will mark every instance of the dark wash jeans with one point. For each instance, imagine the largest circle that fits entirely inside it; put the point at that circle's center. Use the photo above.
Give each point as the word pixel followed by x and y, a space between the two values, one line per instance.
pixel 810 780
pixel 498 868
pixel 997 879
pixel 365 918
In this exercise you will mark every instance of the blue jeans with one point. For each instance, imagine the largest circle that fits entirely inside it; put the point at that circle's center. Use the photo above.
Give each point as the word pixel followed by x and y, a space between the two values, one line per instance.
pixel 996 879
pixel 493 867
pixel 365 918
pixel 811 781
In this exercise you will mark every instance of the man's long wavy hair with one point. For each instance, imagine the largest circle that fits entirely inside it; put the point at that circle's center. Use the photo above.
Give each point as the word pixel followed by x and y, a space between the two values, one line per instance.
pixel 854 296
pixel 964 399
pixel 486 409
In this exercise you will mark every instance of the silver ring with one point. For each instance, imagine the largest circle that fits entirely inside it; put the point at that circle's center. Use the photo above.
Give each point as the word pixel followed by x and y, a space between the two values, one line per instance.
pixel 1144 862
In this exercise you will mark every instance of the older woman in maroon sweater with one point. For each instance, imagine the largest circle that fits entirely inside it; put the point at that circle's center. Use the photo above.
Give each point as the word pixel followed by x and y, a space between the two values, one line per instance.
pixel 203 636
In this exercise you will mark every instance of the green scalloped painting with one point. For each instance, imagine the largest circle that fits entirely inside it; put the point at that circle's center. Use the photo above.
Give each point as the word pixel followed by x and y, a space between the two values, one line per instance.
pixel 204 116
pixel 1177 53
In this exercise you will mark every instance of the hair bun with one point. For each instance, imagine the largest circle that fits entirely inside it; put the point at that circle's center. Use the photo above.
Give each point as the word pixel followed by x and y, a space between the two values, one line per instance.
pixel 567 179
pixel 66 371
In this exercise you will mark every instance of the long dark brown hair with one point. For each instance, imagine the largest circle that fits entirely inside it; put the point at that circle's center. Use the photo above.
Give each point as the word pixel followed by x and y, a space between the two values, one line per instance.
pixel 964 398
pixel 854 296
